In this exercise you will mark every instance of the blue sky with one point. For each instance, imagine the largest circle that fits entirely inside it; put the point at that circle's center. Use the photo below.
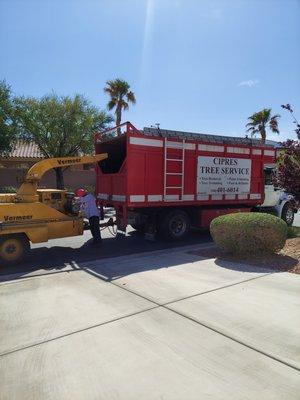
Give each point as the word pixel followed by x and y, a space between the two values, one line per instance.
pixel 195 65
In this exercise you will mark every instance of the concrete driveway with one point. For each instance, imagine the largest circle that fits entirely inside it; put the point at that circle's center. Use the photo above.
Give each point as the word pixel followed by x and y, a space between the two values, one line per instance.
pixel 161 325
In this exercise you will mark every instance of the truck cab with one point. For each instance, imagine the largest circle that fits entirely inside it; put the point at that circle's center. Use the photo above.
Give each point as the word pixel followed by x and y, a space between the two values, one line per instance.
pixel 276 200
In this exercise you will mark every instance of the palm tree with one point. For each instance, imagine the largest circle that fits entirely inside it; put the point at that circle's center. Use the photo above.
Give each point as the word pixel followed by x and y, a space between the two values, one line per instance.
pixel 259 122
pixel 120 98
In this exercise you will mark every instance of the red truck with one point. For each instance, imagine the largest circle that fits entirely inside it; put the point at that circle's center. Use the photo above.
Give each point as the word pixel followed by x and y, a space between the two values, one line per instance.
pixel 163 181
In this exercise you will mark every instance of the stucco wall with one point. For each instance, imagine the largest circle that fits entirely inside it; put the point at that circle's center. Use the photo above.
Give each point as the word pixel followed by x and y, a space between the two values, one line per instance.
pixel 73 179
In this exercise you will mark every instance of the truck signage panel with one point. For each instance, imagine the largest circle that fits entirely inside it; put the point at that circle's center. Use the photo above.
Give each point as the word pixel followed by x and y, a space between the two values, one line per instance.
pixel 223 175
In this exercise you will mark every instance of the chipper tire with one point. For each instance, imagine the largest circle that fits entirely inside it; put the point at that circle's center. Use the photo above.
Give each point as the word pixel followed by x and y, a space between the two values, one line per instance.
pixel 174 225
pixel 13 249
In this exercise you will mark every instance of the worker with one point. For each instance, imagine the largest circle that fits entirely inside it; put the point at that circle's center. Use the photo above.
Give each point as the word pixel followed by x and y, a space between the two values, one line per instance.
pixel 90 210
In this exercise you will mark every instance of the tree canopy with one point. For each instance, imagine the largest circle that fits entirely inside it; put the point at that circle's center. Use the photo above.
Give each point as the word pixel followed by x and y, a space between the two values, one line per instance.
pixel 260 121
pixel 120 97
pixel 288 176
pixel 7 118
pixel 60 125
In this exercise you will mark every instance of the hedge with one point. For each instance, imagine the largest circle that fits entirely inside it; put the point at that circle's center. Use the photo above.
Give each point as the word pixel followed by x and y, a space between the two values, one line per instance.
pixel 249 233
pixel 8 189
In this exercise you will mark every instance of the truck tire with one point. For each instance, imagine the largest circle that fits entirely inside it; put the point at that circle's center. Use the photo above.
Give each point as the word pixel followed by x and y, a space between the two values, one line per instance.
pixel 287 214
pixel 175 225
pixel 13 249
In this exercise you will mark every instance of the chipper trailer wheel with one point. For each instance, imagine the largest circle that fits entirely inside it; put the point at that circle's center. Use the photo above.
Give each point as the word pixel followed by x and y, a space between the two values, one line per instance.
pixel 13 249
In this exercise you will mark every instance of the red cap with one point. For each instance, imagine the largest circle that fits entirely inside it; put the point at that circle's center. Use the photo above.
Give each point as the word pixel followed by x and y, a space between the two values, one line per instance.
pixel 80 192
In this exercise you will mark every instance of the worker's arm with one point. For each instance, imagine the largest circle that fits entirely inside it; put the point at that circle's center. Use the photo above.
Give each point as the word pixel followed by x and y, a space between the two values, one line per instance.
pixel 81 204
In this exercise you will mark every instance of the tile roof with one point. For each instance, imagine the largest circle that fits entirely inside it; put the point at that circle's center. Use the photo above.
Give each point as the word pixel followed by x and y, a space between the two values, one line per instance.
pixel 25 150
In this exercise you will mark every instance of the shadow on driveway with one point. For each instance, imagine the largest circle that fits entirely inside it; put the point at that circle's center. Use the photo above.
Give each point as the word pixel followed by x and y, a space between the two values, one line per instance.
pixel 44 260
pixel 274 262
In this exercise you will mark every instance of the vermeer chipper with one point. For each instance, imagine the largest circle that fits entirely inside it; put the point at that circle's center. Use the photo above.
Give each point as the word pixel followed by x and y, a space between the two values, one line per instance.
pixel 37 215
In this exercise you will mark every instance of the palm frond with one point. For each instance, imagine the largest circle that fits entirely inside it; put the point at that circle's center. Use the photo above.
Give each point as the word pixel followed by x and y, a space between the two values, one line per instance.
pixel 276 116
pixel 265 115
pixel 131 97
pixel 112 104
pixel 125 105
pixel 108 90
pixel 273 123
pixel 253 131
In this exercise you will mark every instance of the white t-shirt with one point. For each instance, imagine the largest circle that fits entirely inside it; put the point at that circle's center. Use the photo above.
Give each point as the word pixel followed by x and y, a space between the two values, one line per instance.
pixel 88 206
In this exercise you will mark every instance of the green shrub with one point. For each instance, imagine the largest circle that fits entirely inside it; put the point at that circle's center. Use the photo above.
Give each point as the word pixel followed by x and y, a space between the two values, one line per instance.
pixel 8 189
pixel 249 233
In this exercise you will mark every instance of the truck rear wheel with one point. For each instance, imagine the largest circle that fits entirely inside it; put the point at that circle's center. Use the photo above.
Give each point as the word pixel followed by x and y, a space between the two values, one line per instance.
pixel 175 225
pixel 287 214
pixel 13 249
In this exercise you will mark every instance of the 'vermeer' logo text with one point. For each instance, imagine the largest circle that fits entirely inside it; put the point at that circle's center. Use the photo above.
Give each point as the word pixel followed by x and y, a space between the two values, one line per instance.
pixel 68 161
pixel 9 218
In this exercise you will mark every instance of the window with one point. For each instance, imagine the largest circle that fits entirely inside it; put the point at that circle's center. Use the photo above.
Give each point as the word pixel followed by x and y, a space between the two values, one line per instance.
pixel 269 173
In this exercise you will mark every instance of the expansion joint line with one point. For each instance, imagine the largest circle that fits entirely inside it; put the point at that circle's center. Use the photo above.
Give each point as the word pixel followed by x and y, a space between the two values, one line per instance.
pixel 228 336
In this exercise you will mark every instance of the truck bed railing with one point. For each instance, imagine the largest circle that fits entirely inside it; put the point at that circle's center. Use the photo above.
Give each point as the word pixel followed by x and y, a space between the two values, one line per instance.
pixel 116 131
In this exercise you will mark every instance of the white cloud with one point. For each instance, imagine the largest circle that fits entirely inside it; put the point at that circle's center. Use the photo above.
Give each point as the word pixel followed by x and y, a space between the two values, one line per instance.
pixel 249 83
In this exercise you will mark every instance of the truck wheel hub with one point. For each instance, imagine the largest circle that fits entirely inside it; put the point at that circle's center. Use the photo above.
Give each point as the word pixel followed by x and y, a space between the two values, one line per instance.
pixel 178 226
pixel 289 215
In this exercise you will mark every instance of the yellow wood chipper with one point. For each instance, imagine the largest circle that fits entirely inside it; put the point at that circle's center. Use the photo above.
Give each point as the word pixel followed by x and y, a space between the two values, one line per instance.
pixel 37 215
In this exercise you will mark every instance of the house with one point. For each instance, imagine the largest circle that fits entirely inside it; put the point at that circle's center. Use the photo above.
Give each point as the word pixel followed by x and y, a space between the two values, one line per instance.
pixel 15 164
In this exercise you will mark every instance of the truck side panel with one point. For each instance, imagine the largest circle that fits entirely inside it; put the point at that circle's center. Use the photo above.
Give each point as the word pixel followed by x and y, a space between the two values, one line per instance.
pixel 171 172
pixel 147 178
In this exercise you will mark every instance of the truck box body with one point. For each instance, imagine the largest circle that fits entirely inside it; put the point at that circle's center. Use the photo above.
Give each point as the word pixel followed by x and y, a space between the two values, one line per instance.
pixel 157 168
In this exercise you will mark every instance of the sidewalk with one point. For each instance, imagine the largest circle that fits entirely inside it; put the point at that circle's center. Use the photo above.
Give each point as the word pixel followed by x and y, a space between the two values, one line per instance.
pixel 162 325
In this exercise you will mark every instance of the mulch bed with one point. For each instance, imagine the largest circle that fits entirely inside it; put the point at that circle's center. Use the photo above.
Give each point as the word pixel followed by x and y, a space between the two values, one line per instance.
pixel 288 259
